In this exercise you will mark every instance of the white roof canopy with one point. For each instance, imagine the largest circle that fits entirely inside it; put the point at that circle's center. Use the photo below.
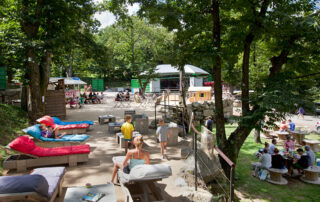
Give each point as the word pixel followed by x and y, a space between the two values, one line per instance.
pixel 68 80
pixel 167 69
pixel 195 89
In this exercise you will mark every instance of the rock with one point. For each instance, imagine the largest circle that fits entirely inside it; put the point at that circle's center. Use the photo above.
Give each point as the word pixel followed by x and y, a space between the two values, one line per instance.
pixel 180 182
pixel 207 167
pixel 200 195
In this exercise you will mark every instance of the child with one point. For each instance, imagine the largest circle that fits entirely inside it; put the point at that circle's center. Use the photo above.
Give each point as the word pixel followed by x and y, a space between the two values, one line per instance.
pixel 162 133
pixel 47 132
pixel 127 131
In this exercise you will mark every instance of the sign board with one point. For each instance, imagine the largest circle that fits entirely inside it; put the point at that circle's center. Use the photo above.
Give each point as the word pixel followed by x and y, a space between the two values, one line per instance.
pixel 3 79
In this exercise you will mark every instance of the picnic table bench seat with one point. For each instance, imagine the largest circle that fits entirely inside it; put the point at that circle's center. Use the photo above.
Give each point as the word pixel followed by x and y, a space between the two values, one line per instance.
pixel 311 175
pixel 276 176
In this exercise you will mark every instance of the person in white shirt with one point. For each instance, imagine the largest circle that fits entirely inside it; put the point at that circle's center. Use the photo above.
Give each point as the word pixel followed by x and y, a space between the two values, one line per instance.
pixel 264 162
pixel 272 146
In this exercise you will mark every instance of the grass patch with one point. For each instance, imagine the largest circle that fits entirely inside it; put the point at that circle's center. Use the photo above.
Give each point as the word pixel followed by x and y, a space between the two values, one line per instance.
pixel 12 120
pixel 253 189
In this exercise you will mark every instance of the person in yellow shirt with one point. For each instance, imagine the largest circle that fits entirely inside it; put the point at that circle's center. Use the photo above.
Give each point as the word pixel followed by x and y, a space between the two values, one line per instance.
pixel 127 131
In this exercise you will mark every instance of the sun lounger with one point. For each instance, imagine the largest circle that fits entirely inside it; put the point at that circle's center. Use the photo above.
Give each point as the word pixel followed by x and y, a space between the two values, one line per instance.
pixel 140 181
pixel 43 184
pixel 67 140
pixel 31 155
pixel 56 120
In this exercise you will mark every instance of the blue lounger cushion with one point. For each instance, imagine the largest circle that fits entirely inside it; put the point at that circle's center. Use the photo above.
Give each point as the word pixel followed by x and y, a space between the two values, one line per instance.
pixel 67 138
pixel 35 132
pixel 25 183
pixel 56 120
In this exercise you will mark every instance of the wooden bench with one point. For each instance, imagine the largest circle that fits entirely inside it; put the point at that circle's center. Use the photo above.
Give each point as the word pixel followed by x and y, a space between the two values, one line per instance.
pixel 276 176
pixel 311 175
pixel 314 145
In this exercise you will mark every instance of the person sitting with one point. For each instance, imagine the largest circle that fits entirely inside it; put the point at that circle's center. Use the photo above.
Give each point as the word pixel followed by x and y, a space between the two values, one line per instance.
pixel 127 96
pixel 272 146
pixel 136 156
pixel 48 132
pixel 264 162
pixel 119 96
pixel 311 155
pixel 94 98
pixel 283 126
pixel 266 146
pixel 301 163
pixel 292 126
pixel 277 161
pixel 288 145
pixel 90 97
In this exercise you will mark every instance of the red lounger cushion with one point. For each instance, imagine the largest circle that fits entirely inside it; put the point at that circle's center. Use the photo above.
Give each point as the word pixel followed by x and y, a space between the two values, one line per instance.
pixel 46 120
pixel 72 126
pixel 26 145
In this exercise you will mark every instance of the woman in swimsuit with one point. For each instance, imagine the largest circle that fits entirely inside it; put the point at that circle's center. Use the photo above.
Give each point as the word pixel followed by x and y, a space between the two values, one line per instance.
pixel 136 156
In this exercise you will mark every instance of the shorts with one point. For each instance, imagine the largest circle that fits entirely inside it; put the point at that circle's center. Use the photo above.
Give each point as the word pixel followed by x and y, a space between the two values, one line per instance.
pixel 127 140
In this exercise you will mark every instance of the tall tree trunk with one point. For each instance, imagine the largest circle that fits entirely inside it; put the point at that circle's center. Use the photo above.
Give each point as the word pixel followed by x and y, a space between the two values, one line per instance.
pixel 216 71
pixel 44 76
pixel 245 74
pixel 33 67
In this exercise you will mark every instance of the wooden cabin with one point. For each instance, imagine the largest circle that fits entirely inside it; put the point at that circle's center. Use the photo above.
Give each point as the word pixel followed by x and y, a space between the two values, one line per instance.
pixel 197 94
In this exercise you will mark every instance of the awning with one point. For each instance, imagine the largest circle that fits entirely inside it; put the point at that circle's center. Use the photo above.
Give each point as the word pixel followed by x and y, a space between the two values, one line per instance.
pixel 68 80
pixel 167 69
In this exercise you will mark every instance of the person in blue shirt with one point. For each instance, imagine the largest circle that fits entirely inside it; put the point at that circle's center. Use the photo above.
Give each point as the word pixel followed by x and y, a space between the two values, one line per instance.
pixel 292 126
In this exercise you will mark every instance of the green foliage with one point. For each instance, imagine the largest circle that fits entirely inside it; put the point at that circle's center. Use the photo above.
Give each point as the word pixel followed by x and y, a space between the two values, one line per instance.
pixel 136 47
pixel 12 120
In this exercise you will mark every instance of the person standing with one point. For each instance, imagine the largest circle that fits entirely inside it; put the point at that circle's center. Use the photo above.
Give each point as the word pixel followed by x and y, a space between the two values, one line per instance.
pixel 163 136
pixel 311 155
pixel 127 131
pixel 301 112
pixel 209 123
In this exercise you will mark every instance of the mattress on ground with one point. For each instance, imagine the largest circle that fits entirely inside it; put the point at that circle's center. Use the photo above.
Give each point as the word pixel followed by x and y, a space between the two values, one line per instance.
pixel 61 151
pixel 145 172
pixel 59 122
pixel 26 145
pixel 67 138
pixel 71 126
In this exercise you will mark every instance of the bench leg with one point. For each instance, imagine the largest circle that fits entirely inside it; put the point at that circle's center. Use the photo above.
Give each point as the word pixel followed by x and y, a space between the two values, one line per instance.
pixel 72 161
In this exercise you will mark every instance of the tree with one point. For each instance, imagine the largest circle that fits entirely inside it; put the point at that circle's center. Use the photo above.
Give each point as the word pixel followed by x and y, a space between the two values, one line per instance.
pixel 46 25
pixel 137 47
pixel 210 28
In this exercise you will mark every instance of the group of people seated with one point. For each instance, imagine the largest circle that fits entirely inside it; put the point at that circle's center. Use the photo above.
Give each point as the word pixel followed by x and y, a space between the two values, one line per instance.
pixel 121 96
pixel 92 98
pixel 271 157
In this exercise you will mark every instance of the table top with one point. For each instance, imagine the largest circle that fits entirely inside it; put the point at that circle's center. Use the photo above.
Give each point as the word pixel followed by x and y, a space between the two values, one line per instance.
pixel 116 124
pixel 281 133
pixel 298 132
pixel 74 194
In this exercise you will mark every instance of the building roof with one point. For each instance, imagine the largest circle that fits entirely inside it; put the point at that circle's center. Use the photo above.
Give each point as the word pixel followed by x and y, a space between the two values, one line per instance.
pixel 68 80
pixel 168 69
pixel 200 88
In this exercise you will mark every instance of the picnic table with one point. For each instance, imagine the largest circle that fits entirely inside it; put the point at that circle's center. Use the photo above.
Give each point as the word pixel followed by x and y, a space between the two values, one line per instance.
pixel 112 126
pixel 74 194
pixel 314 144
pixel 311 175
pixel 299 135
pixel 282 135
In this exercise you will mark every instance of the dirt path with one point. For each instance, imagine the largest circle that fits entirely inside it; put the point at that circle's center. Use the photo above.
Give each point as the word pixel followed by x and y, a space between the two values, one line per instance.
pixel 103 147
